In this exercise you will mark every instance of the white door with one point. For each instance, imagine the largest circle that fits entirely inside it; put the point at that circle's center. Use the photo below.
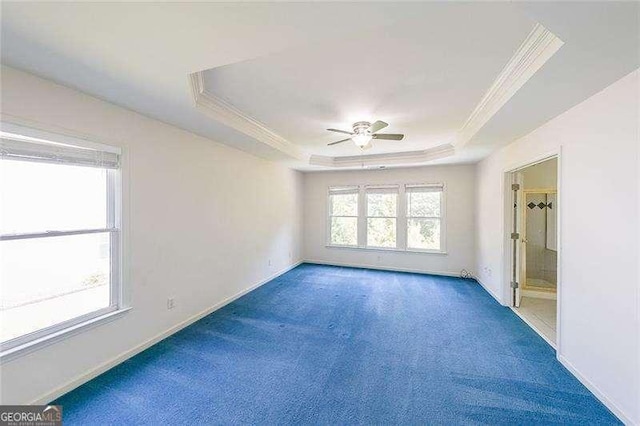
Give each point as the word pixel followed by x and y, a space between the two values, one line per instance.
pixel 516 276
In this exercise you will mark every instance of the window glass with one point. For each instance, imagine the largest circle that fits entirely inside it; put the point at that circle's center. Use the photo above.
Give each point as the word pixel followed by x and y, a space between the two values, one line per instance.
pixel 344 204
pixel 344 231
pixel 423 234
pixel 39 197
pixel 424 204
pixel 45 281
pixel 381 205
pixel 343 216
pixel 381 218
pixel 424 219
pixel 381 232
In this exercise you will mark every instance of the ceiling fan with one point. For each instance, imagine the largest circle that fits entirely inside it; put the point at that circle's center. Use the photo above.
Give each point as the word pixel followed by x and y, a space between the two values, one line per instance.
pixel 364 132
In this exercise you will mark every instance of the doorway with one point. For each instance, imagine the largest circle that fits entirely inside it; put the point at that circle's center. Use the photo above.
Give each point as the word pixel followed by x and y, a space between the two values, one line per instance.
pixel 535 246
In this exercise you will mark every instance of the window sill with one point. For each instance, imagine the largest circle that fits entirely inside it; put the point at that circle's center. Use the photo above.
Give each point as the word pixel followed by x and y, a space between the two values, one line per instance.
pixel 394 250
pixel 34 345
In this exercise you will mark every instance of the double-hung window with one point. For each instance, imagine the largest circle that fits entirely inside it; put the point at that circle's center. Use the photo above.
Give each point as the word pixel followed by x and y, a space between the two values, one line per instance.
pixel 343 216
pixel 401 217
pixel 424 217
pixel 59 234
pixel 382 216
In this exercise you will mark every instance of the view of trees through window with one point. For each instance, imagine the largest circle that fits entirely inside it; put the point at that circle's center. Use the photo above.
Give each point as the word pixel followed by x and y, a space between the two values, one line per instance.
pixel 344 218
pixel 381 219
pixel 423 219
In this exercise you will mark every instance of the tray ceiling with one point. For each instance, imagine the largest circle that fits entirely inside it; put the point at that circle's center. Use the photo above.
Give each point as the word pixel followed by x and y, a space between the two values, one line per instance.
pixel 424 75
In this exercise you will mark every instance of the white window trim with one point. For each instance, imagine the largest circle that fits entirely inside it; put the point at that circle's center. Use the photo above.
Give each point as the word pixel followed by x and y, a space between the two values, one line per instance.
pixel 401 220
pixel 118 304
pixel 395 189
pixel 330 216
pixel 43 136
pixel 442 218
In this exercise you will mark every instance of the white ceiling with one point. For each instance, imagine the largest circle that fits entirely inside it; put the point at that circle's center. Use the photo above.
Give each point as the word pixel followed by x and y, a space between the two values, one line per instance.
pixel 423 74
pixel 602 45
pixel 302 67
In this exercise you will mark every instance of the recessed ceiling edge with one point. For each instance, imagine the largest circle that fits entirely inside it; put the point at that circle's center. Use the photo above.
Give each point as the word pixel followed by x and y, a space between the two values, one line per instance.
pixel 224 112
pixel 539 46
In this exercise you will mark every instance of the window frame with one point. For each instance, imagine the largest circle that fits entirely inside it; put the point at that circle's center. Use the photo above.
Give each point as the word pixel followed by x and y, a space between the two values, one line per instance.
pixel 114 190
pixel 334 190
pixel 441 218
pixel 371 189
pixel 402 218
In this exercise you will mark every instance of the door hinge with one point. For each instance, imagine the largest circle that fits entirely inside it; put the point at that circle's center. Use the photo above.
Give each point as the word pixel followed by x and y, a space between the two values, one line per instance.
pixel 515 236
pixel 514 284
pixel 515 187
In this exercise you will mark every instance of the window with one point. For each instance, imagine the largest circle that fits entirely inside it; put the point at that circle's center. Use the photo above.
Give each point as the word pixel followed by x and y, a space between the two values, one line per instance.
pixel 424 217
pixel 343 216
pixel 59 235
pixel 382 212
pixel 367 217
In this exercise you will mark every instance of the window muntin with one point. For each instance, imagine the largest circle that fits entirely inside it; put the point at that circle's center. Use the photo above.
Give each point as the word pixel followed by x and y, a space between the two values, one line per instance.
pixel 59 237
pixel 424 217
pixel 382 212
pixel 343 216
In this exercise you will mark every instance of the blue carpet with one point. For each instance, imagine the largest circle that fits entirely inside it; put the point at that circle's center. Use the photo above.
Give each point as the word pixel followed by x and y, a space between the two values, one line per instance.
pixel 331 345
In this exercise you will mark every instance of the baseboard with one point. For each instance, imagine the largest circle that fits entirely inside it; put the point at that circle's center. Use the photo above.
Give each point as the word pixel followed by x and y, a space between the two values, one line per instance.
pixel 596 391
pixel 491 292
pixel 58 392
pixel 383 268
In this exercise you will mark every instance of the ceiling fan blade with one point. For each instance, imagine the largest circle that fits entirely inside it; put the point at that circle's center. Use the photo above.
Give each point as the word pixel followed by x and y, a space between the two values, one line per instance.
pixel 388 136
pixel 340 131
pixel 337 142
pixel 378 125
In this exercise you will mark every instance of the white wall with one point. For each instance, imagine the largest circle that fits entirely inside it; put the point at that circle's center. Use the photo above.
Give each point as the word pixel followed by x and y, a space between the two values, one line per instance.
pixel 460 210
pixel 599 330
pixel 202 219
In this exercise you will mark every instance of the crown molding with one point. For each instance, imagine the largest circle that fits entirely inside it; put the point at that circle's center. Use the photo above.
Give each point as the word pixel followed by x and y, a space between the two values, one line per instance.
pixel 539 46
pixel 224 112
pixel 391 159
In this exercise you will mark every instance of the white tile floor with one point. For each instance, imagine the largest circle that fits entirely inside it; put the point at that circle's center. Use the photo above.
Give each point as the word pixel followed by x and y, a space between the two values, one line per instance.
pixel 541 313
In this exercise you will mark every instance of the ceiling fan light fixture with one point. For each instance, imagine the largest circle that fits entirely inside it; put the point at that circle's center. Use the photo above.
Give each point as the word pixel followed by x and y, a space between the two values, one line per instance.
pixel 362 139
pixel 364 132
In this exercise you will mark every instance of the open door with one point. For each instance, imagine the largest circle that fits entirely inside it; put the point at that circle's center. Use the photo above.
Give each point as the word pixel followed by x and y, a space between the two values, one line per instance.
pixel 515 240
pixel 532 258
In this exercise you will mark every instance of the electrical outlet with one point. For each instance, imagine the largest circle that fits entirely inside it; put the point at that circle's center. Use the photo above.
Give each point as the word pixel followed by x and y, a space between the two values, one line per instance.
pixel 171 303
